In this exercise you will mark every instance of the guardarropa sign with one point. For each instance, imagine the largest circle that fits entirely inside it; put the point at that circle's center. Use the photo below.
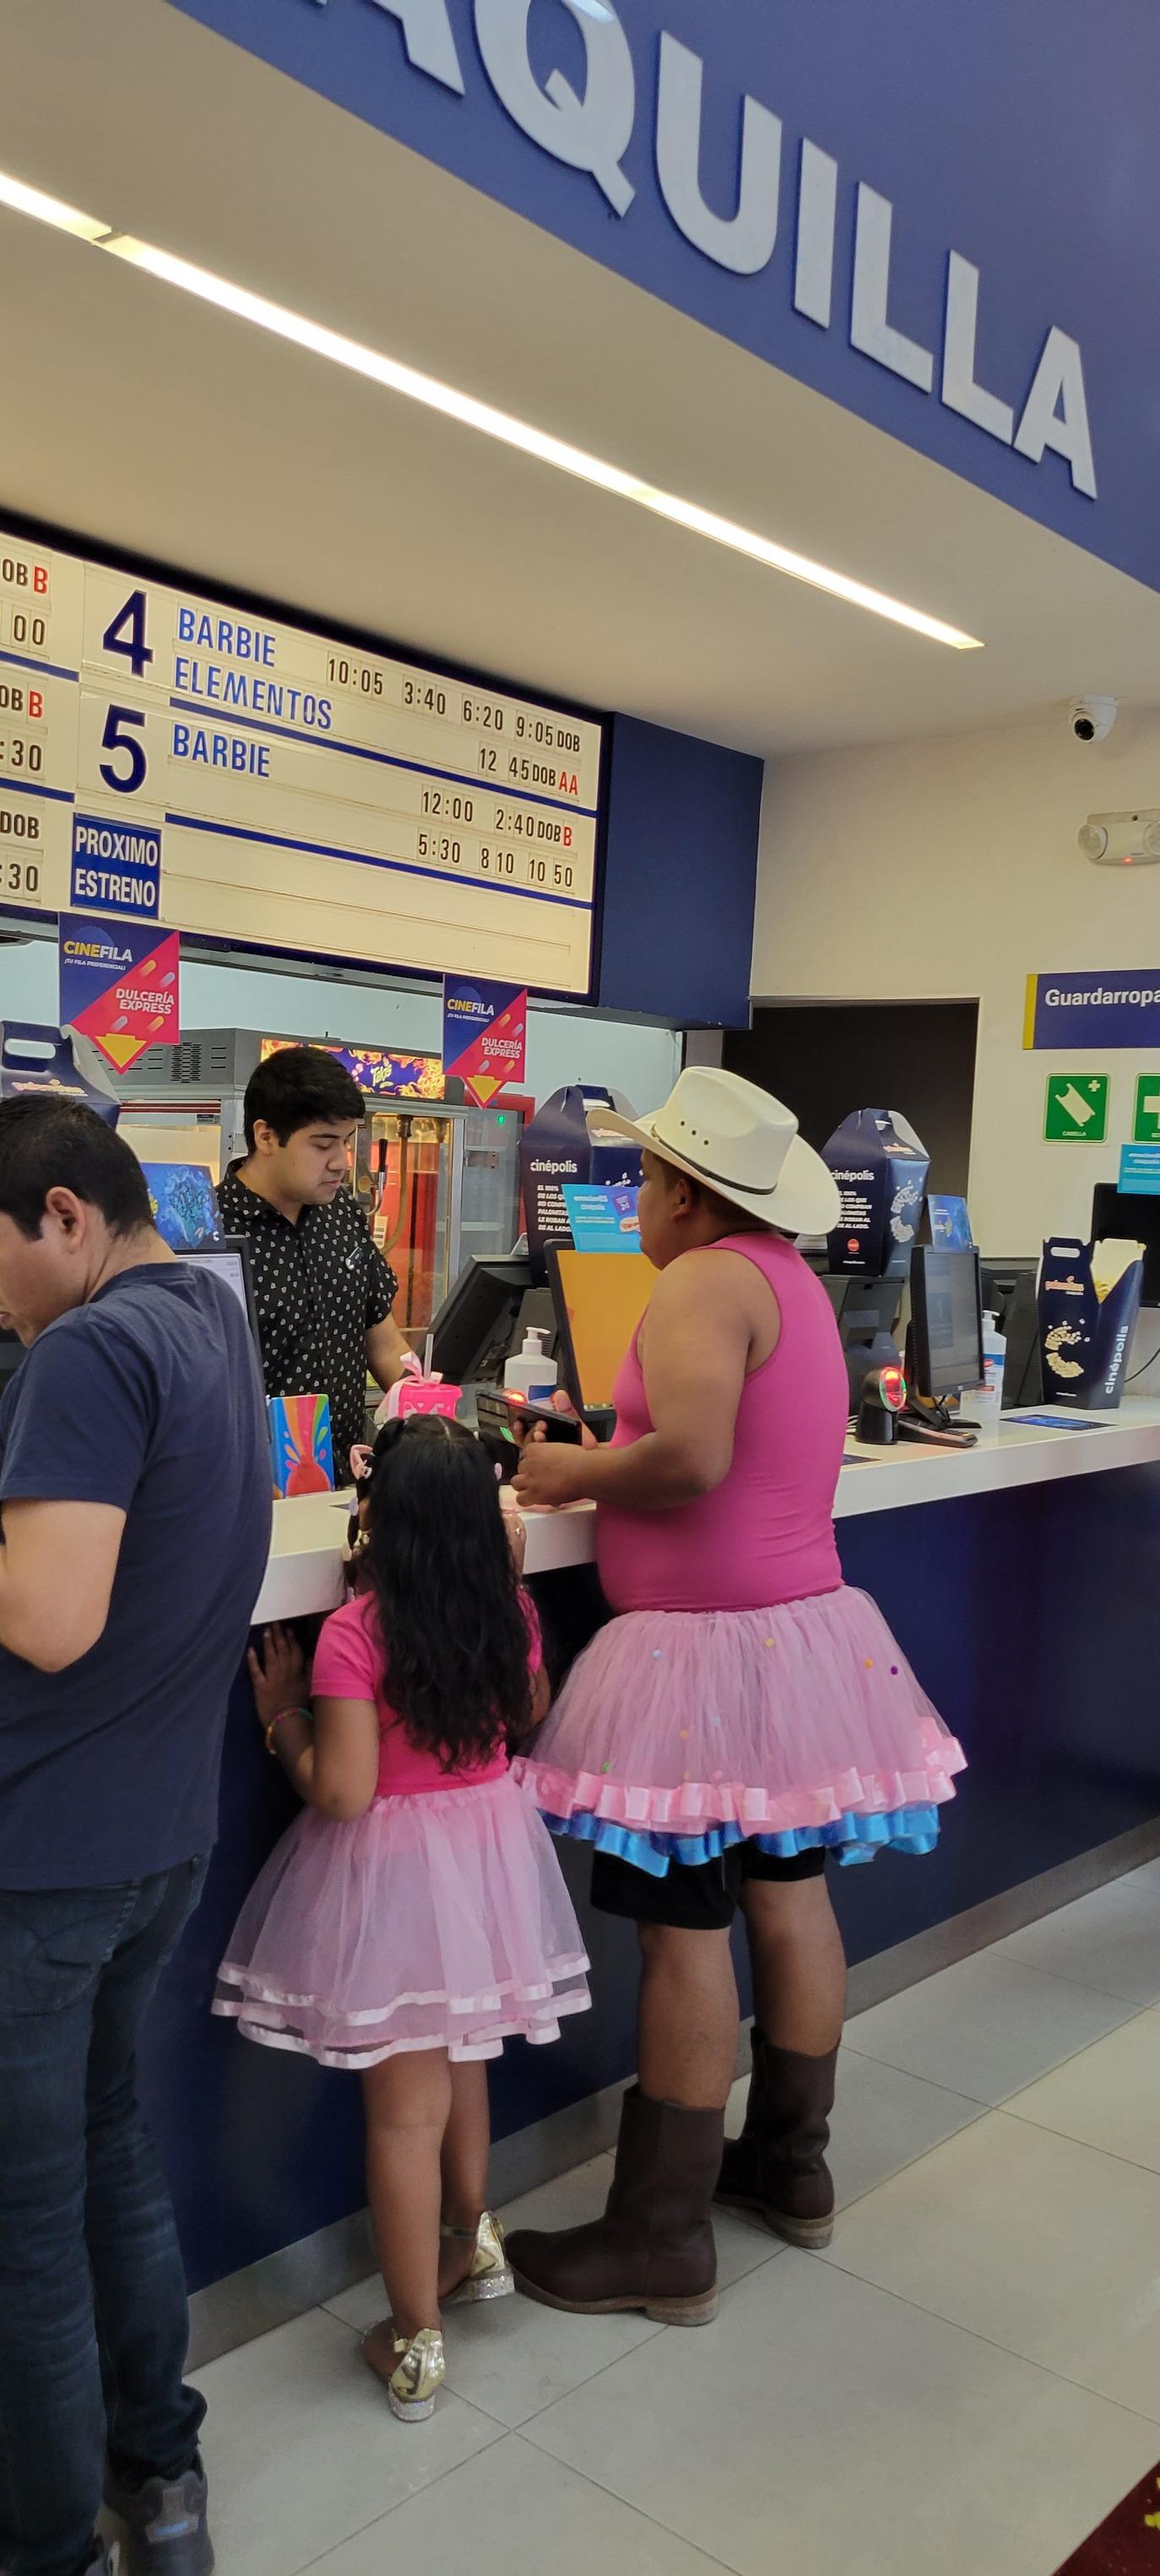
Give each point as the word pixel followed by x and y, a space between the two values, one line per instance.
pixel 906 207
pixel 1094 1009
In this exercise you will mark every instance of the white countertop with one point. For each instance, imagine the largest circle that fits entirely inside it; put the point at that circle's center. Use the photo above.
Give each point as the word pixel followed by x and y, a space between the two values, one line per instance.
pixel 305 1570
pixel 1011 1454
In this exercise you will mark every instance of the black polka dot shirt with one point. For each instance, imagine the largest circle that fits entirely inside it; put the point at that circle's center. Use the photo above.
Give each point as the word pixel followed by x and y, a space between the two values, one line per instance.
pixel 321 1286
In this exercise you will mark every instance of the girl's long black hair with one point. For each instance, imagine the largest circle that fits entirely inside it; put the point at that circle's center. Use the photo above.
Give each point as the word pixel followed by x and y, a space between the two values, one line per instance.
pixel 437 1561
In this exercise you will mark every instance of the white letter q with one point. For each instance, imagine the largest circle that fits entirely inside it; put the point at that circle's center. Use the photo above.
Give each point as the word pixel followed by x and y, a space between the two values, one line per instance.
pixel 590 133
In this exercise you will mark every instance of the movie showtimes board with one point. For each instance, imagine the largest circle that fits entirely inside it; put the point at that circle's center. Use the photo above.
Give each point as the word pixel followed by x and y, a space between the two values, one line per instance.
pixel 166 757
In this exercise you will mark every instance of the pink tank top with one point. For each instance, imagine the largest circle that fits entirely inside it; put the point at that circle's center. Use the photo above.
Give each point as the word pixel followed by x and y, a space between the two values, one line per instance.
pixel 767 1534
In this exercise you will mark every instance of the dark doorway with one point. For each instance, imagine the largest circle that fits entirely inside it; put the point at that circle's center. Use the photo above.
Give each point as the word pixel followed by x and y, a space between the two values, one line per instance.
pixel 826 1058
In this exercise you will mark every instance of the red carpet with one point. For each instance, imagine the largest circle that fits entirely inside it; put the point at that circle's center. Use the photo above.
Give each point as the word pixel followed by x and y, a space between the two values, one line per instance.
pixel 1128 2543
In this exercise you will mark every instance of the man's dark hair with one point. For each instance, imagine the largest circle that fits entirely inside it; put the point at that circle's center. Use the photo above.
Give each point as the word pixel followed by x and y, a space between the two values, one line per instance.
pixel 300 1087
pixel 47 1143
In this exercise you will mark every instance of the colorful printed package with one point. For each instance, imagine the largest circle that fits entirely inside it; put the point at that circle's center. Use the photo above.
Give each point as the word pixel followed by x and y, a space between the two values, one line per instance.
pixel 303 1458
pixel 1089 1299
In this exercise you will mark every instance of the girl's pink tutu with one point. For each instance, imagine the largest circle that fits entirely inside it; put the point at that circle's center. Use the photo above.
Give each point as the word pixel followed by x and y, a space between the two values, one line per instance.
pixel 679 1733
pixel 435 1921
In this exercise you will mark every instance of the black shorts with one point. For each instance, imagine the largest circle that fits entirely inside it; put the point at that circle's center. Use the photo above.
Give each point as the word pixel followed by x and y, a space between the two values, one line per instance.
pixel 697 1896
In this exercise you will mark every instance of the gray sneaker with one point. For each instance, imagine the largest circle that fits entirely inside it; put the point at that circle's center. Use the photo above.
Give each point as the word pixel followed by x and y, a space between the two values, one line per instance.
pixel 166 2527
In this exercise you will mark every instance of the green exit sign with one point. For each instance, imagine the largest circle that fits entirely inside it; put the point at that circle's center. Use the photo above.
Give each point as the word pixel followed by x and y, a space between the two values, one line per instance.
pixel 1077 1108
pixel 1146 1124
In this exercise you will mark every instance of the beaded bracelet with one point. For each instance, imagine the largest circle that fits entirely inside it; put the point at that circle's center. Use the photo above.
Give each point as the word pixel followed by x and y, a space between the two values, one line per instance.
pixel 272 1723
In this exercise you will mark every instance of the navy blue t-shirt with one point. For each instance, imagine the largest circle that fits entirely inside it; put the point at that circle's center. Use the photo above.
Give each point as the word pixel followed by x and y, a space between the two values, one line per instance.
pixel 148 1398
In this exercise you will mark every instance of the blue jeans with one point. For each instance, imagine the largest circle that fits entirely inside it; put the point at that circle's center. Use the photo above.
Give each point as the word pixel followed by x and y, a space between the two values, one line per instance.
pixel 94 2323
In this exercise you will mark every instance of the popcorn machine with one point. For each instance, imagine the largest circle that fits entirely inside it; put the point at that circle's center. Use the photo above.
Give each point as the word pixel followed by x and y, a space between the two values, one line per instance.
pixel 439 1180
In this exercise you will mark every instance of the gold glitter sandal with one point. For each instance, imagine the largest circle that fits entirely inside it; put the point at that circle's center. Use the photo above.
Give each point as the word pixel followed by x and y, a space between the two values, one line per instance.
pixel 490 2275
pixel 418 2374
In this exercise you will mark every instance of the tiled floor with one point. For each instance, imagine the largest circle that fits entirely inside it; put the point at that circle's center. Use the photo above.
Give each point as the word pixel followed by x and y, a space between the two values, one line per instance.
pixel 965 2384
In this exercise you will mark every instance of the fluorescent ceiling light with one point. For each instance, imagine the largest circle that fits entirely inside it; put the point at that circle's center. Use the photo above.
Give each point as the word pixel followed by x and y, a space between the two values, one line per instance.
pixel 472 414
pixel 49 210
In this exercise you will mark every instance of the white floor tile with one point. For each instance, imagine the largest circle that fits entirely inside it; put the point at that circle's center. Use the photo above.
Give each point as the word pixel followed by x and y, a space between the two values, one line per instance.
pixel 1045 2247
pixel 825 2426
pixel 1146 1878
pixel 1108 2098
pixel 884 2119
pixel 511 2357
pixel 302 2449
pixel 986 2027
pixel 515 2508
pixel 1109 1940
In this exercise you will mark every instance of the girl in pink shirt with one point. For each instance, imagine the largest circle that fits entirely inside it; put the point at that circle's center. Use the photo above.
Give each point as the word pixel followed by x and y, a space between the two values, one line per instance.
pixel 415 1916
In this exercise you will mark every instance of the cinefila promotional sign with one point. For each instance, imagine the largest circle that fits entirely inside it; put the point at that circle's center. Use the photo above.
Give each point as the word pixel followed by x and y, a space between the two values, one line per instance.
pixel 485 1035
pixel 119 985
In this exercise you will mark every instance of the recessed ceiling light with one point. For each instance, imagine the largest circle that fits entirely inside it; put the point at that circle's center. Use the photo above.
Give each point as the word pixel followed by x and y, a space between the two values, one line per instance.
pixel 473 414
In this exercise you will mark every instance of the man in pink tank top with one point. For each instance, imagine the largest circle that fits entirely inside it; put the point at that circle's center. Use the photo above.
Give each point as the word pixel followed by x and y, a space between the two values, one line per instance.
pixel 742 1714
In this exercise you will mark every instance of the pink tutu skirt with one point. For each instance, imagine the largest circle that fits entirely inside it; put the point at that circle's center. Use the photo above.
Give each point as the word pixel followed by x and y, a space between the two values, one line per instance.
pixel 439 1921
pixel 679 1733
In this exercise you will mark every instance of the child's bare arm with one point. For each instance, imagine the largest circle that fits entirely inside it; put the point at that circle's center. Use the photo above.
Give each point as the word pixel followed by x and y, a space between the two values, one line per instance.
pixel 329 1749
pixel 344 1769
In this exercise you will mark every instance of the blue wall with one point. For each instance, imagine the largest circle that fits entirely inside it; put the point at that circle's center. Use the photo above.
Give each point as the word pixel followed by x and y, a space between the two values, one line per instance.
pixel 680 884
pixel 1019 135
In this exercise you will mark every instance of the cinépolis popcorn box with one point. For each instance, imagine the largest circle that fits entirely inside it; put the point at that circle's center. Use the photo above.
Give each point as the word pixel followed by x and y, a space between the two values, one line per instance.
pixel 35 1057
pixel 559 1147
pixel 880 1166
pixel 1089 1299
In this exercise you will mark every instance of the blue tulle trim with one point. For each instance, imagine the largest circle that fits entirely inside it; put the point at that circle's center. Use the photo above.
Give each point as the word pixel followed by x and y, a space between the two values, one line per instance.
pixel 911 1830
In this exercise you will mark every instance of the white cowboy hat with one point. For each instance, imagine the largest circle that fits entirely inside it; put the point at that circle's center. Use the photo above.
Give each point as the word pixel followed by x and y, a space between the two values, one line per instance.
pixel 739 1142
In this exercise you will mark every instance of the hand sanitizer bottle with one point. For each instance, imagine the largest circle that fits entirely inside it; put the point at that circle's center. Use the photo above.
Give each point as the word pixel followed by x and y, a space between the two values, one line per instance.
pixel 531 1373
pixel 987 1400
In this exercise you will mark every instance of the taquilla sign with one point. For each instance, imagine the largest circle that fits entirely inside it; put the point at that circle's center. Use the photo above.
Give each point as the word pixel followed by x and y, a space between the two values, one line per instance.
pixel 915 210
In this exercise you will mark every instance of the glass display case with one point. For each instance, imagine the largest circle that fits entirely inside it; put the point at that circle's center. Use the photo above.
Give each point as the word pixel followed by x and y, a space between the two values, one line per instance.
pixel 439 1181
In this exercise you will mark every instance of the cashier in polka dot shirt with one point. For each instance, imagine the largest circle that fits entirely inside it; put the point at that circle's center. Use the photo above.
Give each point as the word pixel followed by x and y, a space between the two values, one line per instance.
pixel 324 1291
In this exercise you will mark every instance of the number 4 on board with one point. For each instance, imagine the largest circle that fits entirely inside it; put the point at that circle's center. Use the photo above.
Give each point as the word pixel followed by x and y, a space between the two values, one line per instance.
pixel 126 634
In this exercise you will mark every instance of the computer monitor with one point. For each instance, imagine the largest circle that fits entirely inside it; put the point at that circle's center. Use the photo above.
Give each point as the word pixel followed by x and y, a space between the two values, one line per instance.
pixel 230 1260
pixel 1009 1294
pixel 472 1332
pixel 946 1323
pixel 599 1298
pixel 1132 1217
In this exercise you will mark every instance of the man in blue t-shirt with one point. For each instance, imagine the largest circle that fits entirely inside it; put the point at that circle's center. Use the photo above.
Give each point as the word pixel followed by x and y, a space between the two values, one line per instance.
pixel 135 1522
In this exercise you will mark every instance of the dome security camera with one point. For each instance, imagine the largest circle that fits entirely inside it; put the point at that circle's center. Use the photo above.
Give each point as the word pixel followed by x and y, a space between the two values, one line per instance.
pixel 1091 719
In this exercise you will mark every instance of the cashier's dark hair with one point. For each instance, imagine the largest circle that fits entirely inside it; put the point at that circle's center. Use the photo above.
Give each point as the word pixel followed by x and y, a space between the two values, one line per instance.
pixel 52 1144
pixel 300 1087
pixel 452 1616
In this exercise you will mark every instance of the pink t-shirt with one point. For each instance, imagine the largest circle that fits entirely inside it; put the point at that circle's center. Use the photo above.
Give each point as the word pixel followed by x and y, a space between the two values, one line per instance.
pixel 348 1664
pixel 767 1534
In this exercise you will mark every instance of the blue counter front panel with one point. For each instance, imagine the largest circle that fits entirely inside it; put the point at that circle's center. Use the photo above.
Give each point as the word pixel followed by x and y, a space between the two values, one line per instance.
pixel 1033 1619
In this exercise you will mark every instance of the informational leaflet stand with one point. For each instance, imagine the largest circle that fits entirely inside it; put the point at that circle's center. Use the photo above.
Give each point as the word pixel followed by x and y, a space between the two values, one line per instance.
pixel 602 1220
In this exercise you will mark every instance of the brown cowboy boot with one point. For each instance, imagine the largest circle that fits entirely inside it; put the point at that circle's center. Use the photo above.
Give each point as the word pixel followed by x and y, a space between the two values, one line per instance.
pixel 653 2248
pixel 778 2164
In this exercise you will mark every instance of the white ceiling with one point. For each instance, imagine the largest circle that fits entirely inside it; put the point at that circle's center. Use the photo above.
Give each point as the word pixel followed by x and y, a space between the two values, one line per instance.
pixel 136 416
